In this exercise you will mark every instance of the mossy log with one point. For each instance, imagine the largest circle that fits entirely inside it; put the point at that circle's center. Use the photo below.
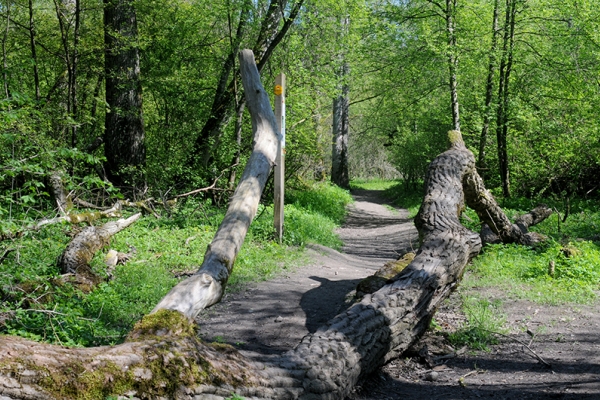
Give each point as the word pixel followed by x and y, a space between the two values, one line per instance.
pixel 163 358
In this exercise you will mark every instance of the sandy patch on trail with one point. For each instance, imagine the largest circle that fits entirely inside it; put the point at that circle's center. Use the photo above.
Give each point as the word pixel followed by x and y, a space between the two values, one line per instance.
pixel 271 317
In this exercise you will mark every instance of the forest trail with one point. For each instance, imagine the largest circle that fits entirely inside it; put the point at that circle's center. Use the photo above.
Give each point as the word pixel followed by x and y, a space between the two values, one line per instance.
pixel 271 317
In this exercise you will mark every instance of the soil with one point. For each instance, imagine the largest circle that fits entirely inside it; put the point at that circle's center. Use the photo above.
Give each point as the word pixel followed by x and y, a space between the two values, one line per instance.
pixel 271 317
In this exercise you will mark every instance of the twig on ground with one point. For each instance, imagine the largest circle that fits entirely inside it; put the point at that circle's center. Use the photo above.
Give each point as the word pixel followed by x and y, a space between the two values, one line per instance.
pixel 461 380
pixel 6 253
pixel 536 355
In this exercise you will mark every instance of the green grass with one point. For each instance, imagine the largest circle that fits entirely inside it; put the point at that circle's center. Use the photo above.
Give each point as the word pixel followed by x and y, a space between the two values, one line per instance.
pixel 372 184
pixel 41 308
pixel 484 321
pixel 523 272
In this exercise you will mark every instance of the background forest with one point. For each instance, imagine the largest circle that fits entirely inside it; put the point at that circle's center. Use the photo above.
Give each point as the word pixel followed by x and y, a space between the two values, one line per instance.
pixel 142 99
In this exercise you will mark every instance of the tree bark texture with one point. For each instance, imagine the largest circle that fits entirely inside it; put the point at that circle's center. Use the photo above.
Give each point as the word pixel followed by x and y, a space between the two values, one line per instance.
pixel 339 147
pixel 124 145
pixel 206 287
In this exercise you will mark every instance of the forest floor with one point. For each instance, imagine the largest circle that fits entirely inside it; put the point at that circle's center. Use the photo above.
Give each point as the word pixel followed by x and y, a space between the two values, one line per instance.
pixel 271 317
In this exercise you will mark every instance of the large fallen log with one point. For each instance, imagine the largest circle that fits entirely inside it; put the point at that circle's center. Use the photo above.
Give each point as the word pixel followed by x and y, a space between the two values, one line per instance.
pixel 163 358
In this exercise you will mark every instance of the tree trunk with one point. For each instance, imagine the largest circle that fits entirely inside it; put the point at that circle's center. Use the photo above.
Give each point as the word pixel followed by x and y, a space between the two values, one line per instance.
pixel 502 114
pixel 4 56
pixel 124 145
pixel 339 148
pixel 223 104
pixel 36 76
pixel 206 287
pixel 452 62
pixel 341 123
pixel 489 91
pixel 164 358
pixel 517 232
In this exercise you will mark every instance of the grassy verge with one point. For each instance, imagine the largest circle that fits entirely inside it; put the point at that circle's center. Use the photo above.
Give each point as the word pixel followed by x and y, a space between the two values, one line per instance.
pixel 34 304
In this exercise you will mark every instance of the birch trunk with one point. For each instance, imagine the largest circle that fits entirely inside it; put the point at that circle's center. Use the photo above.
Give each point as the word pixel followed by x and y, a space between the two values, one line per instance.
pixel 206 287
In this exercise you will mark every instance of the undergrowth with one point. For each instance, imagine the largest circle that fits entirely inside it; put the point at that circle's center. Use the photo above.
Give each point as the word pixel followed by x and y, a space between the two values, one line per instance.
pixel 484 320
pixel 36 304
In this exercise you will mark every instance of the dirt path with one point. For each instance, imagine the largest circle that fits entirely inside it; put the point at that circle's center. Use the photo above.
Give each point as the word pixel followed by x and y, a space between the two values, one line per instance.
pixel 271 317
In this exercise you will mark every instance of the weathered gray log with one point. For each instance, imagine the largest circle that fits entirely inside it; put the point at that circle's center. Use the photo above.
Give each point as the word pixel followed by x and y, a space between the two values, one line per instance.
pixel 86 243
pixel 206 287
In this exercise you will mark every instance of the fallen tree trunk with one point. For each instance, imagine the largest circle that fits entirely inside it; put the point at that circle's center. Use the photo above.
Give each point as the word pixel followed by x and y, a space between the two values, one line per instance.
pixel 519 231
pixel 163 358
pixel 206 287
pixel 86 243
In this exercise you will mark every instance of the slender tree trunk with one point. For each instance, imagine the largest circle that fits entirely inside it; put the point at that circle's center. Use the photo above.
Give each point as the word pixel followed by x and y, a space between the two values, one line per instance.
pixel 62 10
pixel 339 150
pixel 503 95
pixel 124 145
pixel 223 104
pixel 489 92
pixel 4 57
pixel 452 61
pixel 73 76
pixel 341 122
pixel 36 76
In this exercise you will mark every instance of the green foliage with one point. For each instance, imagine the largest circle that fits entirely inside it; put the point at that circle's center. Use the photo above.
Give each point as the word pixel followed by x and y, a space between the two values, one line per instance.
pixel 41 306
pixel 406 195
pixel 566 268
pixel 484 321
pixel 322 198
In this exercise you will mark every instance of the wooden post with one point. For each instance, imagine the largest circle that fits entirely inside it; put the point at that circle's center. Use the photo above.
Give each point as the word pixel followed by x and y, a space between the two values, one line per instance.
pixel 280 158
